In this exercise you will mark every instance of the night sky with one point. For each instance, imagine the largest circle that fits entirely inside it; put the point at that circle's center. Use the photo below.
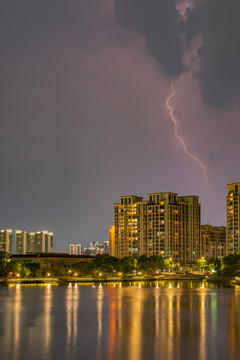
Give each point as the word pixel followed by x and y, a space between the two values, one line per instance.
pixel 84 85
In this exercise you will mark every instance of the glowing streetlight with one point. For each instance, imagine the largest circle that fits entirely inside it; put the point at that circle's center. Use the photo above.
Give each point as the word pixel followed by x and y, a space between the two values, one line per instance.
pixel 76 274
pixel 48 274
pixel 18 275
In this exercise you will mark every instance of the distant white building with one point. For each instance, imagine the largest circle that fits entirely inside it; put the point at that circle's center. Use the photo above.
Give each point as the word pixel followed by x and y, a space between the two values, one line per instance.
pixel 106 247
pixel 93 248
pixel 75 249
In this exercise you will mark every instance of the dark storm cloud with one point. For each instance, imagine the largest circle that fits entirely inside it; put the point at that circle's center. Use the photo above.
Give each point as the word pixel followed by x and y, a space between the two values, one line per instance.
pixel 218 24
pixel 219 74
pixel 157 21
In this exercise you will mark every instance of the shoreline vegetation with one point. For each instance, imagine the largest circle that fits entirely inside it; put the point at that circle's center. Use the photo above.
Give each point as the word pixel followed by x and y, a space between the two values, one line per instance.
pixel 108 269
pixel 128 279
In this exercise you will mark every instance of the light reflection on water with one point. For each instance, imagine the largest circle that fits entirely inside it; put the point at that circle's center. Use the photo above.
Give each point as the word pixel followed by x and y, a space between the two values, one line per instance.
pixel 17 319
pixel 100 293
pixel 71 305
pixel 184 321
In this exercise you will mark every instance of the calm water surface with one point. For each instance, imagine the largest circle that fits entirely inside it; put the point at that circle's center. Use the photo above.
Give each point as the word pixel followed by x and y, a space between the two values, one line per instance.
pixel 184 321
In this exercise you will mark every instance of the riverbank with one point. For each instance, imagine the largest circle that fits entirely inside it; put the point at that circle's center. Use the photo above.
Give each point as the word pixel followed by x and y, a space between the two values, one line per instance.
pixel 112 279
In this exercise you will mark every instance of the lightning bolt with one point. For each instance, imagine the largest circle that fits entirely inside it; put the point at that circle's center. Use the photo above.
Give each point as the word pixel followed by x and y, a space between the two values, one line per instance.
pixel 179 137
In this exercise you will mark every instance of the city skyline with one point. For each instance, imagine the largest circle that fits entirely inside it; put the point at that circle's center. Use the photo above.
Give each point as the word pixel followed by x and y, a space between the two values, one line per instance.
pixel 87 93
pixel 25 237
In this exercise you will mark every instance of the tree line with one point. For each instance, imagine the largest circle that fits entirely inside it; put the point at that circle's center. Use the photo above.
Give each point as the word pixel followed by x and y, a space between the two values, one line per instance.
pixel 105 265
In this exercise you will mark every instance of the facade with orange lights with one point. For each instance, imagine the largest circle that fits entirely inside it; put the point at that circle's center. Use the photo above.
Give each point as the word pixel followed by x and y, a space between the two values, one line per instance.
pixel 233 219
pixel 213 242
pixel 165 225
pixel 126 226
pixel 112 240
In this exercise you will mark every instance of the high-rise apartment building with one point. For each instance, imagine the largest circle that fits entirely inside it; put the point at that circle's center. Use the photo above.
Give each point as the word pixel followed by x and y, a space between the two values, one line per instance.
pixel 233 219
pixel 190 216
pixel 213 242
pixel 126 226
pixel 75 249
pixel 165 225
pixel 41 241
pixel 21 241
pixel 6 241
pixel 31 242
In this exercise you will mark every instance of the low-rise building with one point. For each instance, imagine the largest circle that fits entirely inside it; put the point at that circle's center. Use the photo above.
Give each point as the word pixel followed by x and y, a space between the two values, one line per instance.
pixel 53 260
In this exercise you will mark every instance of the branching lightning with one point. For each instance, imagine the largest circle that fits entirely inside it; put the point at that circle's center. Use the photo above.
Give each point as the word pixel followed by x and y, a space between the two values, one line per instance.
pixel 179 137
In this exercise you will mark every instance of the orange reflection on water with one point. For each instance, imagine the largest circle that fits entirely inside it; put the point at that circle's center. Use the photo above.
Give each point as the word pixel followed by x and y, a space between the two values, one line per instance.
pixel 170 327
pixel 100 292
pixel 135 327
pixel 202 340
pixel 47 315
pixel 178 325
pixel 112 334
pixel 159 323
pixel 129 322
pixel 157 318
pixel 17 319
pixel 72 303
